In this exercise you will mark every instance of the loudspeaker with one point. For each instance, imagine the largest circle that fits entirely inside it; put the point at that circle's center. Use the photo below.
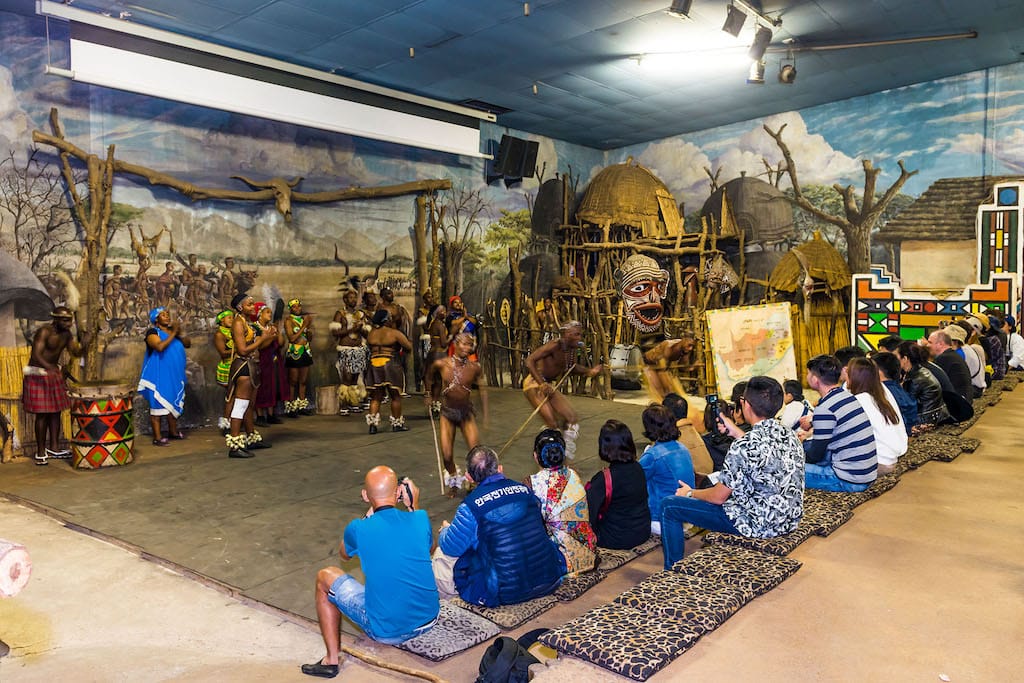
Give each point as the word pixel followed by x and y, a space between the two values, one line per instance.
pixel 529 168
pixel 509 161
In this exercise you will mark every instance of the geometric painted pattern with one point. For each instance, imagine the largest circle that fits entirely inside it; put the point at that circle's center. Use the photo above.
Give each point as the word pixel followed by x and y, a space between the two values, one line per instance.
pixel 103 431
pixel 881 308
pixel 998 229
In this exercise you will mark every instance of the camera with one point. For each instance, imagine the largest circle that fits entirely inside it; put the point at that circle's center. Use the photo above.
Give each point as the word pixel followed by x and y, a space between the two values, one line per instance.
pixel 716 409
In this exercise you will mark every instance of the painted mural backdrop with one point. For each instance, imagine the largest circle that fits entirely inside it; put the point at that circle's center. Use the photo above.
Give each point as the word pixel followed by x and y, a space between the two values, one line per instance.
pixel 968 125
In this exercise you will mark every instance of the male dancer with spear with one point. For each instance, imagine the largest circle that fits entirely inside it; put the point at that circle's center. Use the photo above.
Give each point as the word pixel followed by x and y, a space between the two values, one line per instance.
pixel 457 375
pixel 553 362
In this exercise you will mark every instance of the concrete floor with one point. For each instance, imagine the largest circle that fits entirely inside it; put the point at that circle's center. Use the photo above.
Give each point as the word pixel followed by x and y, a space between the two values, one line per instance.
pixel 923 582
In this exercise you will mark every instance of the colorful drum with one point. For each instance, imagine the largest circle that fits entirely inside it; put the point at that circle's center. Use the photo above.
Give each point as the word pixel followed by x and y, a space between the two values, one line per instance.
pixel 102 425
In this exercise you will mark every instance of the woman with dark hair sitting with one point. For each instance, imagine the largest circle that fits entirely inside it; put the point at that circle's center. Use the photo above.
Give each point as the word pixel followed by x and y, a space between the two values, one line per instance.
pixel 923 387
pixel 880 406
pixel 666 462
pixel 617 495
pixel 563 503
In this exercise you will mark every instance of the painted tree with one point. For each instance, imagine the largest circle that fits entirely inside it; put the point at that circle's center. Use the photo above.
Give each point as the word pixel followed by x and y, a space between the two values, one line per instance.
pixel 460 223
pixel 857 220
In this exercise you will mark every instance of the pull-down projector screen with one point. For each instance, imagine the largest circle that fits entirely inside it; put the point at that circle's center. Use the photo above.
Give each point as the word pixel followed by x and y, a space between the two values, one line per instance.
pixel 142 72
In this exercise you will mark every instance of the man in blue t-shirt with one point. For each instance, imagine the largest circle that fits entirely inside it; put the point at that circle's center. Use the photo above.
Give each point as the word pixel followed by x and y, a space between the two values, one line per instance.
pixel 399 600
pixel 840 452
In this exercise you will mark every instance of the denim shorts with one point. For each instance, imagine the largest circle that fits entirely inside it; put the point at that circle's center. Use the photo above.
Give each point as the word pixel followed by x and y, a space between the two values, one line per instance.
pixel 349 596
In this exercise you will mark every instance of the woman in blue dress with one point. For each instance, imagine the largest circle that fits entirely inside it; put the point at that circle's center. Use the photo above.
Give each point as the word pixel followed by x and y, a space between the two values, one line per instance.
pixel 162 382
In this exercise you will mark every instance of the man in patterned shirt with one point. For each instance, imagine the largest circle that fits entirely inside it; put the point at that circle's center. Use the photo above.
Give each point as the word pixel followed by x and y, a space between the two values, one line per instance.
pixel 760 489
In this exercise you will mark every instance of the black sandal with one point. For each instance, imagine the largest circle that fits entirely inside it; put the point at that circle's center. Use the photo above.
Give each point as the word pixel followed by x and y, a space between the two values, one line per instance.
pixel 320 669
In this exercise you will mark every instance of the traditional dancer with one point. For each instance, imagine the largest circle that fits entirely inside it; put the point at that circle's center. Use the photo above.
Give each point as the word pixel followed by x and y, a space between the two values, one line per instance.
pixel 551 362
pixel 350 327
pixel 436 348
pixel 299 357
pixel 162 381
pixel 225 348
pixel 44 391
pixel 385 374
pixel 273 387
pixel 459 320
pixel 244 379
pixel 457 375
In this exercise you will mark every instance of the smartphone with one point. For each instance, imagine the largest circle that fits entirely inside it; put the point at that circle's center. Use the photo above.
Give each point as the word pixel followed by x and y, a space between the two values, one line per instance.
pixel 716 409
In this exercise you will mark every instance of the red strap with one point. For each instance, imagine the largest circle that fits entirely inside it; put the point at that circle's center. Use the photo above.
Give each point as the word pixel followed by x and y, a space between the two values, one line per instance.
pixel 607 493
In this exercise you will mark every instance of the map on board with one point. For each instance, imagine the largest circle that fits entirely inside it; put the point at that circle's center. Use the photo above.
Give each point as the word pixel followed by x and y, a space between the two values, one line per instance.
pixel 751 340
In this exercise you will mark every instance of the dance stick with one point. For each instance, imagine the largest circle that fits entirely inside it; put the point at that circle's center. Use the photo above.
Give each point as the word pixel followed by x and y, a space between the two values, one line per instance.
pixel 535 411
pixel 437 451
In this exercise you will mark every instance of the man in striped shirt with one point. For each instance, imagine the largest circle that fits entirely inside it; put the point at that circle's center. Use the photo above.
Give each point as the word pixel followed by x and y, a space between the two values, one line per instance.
pixel 840 451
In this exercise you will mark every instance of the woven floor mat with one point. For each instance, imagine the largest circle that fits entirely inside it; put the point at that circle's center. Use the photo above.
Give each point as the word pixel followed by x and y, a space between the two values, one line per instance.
pixel 456 630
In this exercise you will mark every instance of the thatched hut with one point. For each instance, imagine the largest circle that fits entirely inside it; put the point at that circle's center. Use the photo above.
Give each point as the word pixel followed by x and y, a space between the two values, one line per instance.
pixel 629 195
pixel 815 276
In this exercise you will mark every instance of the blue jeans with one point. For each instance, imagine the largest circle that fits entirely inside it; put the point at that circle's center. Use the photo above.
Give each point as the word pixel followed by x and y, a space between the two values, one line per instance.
pixel 678 509
pixel 349 596
pixel 823 477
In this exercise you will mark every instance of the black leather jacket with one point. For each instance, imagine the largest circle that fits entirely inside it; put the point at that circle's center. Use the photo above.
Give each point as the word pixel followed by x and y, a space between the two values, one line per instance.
pixel 921 384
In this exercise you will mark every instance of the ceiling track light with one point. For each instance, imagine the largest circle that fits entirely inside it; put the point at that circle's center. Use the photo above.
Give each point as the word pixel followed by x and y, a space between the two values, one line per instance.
pixel 734 20
pixel 680 9
pixel 761 16
pixel 756 74
pixel 762 38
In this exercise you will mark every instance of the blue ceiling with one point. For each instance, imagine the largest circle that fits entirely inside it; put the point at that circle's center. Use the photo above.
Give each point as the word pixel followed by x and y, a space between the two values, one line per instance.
pixel 581 54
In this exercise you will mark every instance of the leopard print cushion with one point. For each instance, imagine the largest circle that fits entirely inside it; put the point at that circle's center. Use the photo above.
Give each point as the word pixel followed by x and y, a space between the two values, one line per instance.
pixel 456 630
pixel 901 466
pixel 609 559
pixel 884 483
pixel 780 545
pixel 917 452
pixel 509 617
pixel 701 602
pixel 946 447
pixel 822 518
pixel 574 586
pixel 624 640
pixel 750 570
pixel 647 546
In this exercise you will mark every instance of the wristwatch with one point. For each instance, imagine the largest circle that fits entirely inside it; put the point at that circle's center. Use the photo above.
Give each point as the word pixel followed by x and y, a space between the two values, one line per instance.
pixel 689 493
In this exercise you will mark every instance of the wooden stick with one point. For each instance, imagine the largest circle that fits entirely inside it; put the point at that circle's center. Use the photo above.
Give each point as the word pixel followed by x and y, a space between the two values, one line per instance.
pixel 535 411
pixel 437 450
pixel 377 661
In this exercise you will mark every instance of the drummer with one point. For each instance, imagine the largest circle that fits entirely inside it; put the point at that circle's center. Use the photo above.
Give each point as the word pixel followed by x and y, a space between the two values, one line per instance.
pixel 551 362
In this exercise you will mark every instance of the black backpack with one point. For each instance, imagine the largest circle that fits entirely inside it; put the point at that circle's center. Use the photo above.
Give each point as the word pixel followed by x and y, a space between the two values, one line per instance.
pixel 505 661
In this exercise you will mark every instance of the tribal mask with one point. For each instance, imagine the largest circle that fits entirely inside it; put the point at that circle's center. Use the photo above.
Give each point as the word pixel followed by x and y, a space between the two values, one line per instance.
pixel 643 284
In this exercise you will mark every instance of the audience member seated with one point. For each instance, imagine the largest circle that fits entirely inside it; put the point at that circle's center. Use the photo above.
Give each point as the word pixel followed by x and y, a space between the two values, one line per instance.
pixel 563 503
pixel 496 551
pixel 840 452
pixel 666 462
pixel 1014 345
pixel 940 344
pixel 973 358
pixel 617 495
pixel 889 372
pixel 716 442
pixel 760 488
pixel 844 355
pixel 890 343
pixel 886 422
pixel 994 350
pixel 920 383
pixel 399 600
pixel 794 405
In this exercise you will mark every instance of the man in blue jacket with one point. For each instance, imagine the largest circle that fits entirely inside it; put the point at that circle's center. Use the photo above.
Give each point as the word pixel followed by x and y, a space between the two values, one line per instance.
pixel 497 541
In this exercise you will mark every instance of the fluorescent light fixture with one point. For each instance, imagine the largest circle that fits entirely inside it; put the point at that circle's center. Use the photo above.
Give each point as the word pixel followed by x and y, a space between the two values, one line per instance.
pixel 177 68
pixel 680 9
pixel 762 38
pixel 734 20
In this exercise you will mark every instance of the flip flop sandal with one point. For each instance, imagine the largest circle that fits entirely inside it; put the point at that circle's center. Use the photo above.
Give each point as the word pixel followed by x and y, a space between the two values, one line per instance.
pixel 177 437
pixel 161 442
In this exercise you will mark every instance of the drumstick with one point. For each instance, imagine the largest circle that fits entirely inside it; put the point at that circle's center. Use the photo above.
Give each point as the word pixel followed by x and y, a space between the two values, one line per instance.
pixel 535 411
pixel 437 451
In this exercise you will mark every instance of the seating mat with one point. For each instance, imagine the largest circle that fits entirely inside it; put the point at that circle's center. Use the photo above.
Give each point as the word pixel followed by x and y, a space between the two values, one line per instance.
pixel 456 630
pixel 822 517
pixel 574 586
pixel 754 571
pixel 698 601
pixel 624 640
pixel 508 617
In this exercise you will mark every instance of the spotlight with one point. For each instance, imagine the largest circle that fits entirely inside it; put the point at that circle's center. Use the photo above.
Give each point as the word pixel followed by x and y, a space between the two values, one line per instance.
pixel 756 74
pixel 787 74
pixel 680 9
pixel 734 20
pixel 762 38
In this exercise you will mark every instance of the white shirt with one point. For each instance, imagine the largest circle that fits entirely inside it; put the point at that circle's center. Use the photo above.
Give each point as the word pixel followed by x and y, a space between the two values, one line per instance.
pixel 1016 348
pixel 890 439
pixel 793 411
pixel 976 365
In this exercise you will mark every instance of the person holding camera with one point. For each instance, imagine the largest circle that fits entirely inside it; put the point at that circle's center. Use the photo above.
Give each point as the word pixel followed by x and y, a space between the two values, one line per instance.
pixel 399 600
pixel 761 484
